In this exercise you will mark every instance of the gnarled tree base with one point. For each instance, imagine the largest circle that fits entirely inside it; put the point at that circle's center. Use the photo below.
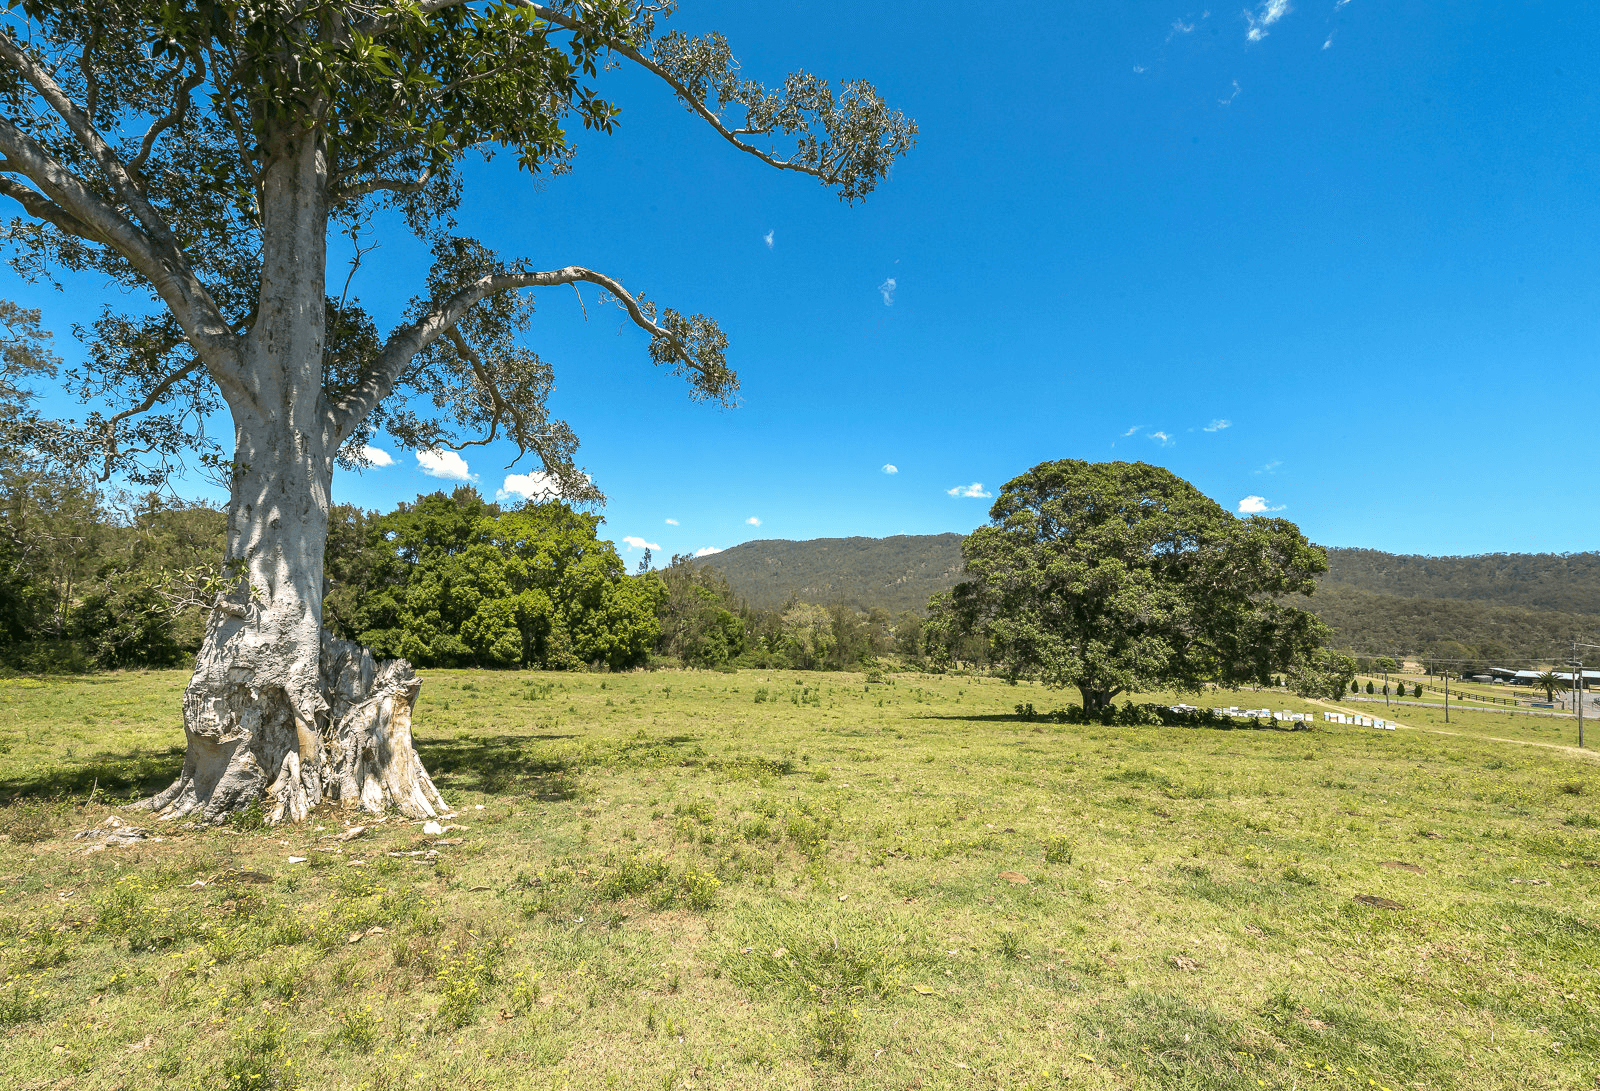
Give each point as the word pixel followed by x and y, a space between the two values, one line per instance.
pixel 249 742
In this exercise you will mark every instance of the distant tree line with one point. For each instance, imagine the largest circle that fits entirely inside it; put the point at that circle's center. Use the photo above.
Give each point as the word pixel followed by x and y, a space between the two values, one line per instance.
pixel 449 580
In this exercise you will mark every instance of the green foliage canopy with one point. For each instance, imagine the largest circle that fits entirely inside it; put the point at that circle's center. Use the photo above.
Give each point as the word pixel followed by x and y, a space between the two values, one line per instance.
pixel 454 581
pixel 1118 575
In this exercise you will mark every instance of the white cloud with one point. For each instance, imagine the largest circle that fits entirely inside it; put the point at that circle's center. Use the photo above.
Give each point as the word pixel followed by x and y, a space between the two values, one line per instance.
pixel 534 486
pixel 753 521
pixel 1180 27
pixel 1329 43
pixel 1162 438
pixel 1229 100
pixel 1269 12
pixel 1256 505
pixel 1138 68
pixel 706 551
pixel 1218 425
pixel 445 464
pixel 886 289
pixel 376 456
pixel 890 468
pixel 639 543
pixel 767 238
pixel 1132 430
pixel 974 490
pixel 672 522
pixel 1270 467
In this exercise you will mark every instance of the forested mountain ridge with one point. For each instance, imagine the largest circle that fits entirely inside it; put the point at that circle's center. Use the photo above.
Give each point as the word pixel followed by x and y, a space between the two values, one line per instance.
pixel 1373 623
pixel 897 574
pixel 1569 582
pixel 1525 605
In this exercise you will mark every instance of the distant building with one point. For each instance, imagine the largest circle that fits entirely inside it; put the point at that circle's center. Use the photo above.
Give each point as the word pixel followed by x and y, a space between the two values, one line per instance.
pixel 1528 678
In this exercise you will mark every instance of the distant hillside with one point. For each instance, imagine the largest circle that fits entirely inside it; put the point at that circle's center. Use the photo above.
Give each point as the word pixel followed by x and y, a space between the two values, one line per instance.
pixel 897 574
pixel 1529 604
pixel 1548 581
pixel 1366 621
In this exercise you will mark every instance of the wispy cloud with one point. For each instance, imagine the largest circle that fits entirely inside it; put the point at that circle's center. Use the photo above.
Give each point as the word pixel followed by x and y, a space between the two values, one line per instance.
pixel 890 468
pixel 1256 505
pixel 886 289
pixel 672 522
pixel 1268 13
pixel 1180 27
pixel 767 238
pixel 534 486
pixel 445 464
pixel 1231 95
pixel 1218 425
pixel 706 551
pixel 753 521
pixel 1140 68
pixel 376 456
pixel 1269 468
pixel 1162 438
pixel 974 490
pixel 1132 430
pixel 639 543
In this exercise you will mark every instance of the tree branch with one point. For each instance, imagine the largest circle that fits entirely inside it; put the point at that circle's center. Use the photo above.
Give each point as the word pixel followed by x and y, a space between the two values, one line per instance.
pixel 378 379
pixel 89 138
pixel 69 204
pixel 180 107
pixel 373 185
pixel 42 208
pixel 694 101
pixel 157 392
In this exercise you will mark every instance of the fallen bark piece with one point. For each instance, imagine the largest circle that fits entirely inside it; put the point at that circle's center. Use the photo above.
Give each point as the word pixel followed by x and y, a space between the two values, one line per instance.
pixel 246 877
pixel 432 829
pixel 352 833
pixel 451 841
pixel 113 831
pixel 1377 902
pixel 1015 877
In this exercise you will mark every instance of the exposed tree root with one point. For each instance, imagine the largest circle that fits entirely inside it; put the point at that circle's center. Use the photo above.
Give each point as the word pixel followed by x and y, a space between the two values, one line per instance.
pixel 352 745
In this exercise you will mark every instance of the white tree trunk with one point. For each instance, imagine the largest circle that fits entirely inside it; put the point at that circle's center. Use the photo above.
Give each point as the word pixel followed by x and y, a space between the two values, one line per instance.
pixel 277 710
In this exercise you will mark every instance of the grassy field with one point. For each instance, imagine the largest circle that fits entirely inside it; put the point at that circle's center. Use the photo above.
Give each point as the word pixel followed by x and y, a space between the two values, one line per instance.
pixel 766 879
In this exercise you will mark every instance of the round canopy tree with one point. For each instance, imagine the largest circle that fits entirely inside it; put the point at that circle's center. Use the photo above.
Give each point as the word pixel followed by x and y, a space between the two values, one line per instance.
pixel 201 154
pixel 1116 576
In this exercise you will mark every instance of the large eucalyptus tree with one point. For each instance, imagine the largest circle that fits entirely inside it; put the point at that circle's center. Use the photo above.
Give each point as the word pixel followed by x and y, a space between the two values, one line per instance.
pixel 202 153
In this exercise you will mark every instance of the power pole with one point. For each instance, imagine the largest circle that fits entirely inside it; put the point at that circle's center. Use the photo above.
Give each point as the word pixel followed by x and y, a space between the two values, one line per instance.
pixel 1446 674
pixel 1577 683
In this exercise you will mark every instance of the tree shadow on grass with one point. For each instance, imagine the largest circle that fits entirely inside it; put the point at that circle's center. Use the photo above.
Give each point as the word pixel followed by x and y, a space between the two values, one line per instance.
pixel 131 775
pixel 1042 721
pixel 499 764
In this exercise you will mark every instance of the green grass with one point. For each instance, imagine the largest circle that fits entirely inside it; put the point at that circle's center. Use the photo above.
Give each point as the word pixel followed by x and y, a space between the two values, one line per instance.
pixel 736 880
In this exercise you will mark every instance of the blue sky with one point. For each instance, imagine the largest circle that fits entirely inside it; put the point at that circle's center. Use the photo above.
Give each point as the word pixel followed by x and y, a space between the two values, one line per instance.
pixel 1338 257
